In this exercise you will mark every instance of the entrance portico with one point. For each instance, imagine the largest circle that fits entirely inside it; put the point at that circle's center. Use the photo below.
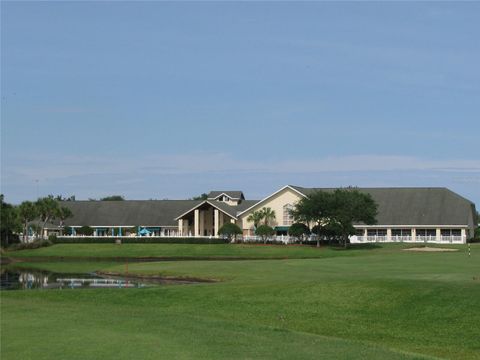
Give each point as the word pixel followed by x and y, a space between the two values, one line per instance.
pixel 205 219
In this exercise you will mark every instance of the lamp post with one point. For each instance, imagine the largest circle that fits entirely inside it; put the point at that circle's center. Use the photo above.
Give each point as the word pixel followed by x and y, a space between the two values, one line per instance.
pixel 36 183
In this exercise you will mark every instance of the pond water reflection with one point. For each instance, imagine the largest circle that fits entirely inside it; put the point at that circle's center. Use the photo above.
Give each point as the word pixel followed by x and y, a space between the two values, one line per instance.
pixel 12 278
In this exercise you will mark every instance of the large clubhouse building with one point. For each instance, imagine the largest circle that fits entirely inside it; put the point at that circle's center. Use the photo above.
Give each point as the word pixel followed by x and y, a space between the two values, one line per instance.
pixel 404 214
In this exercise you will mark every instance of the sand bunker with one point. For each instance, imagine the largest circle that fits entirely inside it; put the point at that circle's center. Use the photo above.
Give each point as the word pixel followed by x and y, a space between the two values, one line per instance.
pixel 429 249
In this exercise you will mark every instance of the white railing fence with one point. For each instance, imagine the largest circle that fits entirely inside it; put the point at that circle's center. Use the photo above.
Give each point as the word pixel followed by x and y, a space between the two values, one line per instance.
pixel 286 239
pixel 418 239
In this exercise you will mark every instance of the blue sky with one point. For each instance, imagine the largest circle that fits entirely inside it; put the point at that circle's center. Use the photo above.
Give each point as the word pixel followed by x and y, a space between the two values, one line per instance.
pixel 169 100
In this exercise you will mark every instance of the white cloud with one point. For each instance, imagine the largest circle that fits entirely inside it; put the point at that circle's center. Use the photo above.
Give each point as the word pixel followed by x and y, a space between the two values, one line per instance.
pixel 182 176
pixel 57 167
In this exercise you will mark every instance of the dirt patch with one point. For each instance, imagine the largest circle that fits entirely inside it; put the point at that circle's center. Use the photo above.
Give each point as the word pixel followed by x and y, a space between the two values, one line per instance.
pixel 430 249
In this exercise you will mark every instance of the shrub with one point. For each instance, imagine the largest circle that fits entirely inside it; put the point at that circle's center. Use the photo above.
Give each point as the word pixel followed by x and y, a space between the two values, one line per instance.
pixel 33 245
pixel 264 231
pixel 8 238
pixel 85 230
pixel 298 230
pixel 230 230
pixel 137 240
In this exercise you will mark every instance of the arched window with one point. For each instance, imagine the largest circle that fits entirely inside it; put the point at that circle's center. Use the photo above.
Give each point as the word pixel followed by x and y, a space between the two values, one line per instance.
pixel 287 216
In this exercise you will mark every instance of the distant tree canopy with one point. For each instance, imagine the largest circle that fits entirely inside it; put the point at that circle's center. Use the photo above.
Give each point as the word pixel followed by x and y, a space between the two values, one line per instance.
pixel 65 198
pixel 9 223
pixel 337 211
pixel 203 196
pixel 16 219
pixel 113 198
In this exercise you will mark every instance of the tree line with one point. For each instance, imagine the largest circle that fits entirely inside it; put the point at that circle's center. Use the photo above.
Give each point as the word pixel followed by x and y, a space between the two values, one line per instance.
pixel 16 219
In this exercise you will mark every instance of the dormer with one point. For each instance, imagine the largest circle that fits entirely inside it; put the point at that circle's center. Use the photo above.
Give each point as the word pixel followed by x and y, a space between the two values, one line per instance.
pixel 232 198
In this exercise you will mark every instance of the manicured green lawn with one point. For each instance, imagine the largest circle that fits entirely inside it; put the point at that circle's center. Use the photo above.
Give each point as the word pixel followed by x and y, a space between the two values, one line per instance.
pixel 199 251
pixel 380 304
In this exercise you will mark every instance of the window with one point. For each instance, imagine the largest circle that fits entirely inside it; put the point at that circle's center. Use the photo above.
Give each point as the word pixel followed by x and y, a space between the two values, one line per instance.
pixel 451 232
pixel 287 216
pixel 427 232
pixel 377 232
pixel 401 232
pixel 360 232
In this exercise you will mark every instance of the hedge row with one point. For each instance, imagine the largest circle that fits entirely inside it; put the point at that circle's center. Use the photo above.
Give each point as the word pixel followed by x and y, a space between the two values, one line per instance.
pixel 136 240
pixel 29 246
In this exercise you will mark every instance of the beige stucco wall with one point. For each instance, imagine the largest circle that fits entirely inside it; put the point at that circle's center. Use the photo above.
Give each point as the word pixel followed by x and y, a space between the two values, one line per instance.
pixel 276 203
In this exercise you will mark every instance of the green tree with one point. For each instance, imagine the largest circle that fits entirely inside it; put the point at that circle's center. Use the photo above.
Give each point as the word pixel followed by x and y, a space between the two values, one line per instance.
pixel 203 196
pixel 337 211
pixel 230 230
pixel 255 217
pixel 268 215
pixel 9 223
pixel 63 213
pixel 113 198
pixel 314 209
pixel 298 230
pixel 64 198
pixel 67 230
pixel 326 231
pixel 85 230
pixel 351 206
pixel 47 210
pixel 264 231
pixel 27 211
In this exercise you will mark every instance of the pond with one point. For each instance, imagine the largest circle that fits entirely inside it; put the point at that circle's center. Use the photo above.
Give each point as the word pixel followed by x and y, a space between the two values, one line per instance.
pixel 12 278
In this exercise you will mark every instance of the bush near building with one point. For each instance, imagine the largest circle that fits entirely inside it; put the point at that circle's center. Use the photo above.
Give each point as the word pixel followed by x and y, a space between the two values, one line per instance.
pixel 264 231
pixel 230 230
pixel 135 240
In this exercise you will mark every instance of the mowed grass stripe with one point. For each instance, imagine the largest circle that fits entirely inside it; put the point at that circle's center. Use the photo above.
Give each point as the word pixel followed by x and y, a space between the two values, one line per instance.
pixel 385 304
pixel 203 251
pixel 176 336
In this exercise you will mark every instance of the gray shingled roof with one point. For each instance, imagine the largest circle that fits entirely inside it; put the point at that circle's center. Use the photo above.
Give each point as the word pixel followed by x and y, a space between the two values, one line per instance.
pixel 127 212
pixel 396 206
pixel 245 204
pixel 234 210
pixel 415 206
pixel 234 194
pixel 138 212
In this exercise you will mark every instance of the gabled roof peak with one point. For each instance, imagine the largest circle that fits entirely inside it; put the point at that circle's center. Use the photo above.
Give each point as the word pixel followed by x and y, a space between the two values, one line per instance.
pixel 232 194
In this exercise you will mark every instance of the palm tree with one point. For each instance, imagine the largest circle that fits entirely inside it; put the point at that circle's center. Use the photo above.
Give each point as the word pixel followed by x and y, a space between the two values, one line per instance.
pixel 256 217
pixel 63 213
pixel 27 211
pixel 268 215
pixel 47 209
